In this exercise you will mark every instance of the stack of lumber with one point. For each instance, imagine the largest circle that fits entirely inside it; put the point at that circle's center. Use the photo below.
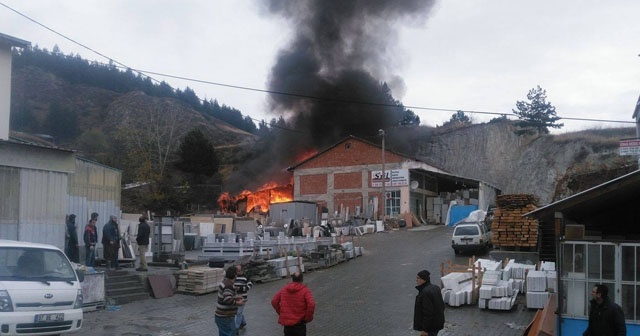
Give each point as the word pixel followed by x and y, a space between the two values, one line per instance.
pixel 199 280
pixel 510 229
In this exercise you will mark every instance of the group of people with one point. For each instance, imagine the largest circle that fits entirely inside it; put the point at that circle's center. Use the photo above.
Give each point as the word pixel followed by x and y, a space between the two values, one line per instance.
pixel 294 304
pixel 295 307
pixel 90 238
pixel 110 241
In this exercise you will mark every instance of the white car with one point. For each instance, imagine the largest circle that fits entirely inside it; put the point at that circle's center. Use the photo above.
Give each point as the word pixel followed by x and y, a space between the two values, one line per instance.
pixel 40 292
pixel 471 237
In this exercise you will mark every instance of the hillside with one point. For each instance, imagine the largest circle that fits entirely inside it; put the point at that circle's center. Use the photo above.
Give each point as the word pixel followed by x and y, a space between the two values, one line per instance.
pixel 132 131
pixel 549 166
pixel 105 124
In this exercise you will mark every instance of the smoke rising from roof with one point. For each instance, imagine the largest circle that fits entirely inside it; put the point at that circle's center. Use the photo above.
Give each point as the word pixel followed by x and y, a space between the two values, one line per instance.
pixel 343 53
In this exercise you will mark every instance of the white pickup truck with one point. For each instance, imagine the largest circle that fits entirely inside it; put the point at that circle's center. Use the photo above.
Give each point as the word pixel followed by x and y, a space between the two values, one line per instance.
pixel 40 292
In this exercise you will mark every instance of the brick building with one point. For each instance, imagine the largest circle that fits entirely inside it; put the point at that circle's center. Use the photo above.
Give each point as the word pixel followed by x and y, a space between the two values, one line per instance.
pixel 346 179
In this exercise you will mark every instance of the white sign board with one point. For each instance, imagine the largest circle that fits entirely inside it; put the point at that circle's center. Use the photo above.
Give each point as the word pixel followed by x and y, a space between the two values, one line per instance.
pixel 630 147
pixel 393 178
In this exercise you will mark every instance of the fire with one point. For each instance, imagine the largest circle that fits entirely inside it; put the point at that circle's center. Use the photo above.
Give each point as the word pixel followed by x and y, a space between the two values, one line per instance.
pixel 259 200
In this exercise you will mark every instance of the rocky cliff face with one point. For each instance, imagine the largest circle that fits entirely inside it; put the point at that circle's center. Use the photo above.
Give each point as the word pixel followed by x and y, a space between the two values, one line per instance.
pixel 546 166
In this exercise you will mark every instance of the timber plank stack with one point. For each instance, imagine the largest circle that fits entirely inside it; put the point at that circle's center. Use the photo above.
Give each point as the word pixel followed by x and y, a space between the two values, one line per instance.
pixel 199 280
pixel 510 229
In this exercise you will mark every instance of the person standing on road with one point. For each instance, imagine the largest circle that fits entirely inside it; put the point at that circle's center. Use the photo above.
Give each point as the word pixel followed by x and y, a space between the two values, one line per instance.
pixel 90 238
pixel 242 285
pixel 71 248
pixel 428 314
pixel 111 242
pixel 295 306
pixel 227 304
pixel 606 318
pixel 143 242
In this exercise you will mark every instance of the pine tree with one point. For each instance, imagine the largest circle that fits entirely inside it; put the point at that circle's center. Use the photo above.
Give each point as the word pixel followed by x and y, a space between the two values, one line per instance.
pixel 536 115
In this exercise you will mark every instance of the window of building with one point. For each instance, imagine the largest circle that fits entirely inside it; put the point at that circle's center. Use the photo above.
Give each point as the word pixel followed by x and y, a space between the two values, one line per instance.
pixel 585 264
pixel 392 203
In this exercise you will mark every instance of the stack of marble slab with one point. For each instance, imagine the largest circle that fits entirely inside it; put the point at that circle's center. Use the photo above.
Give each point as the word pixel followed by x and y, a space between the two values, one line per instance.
pixel 517 272
pixel 351 251
pixel 537 294
pixel 488 265
pixel 549 268
pixel 457 289
pixel 280 265
pixel 503 303
pixel 496 293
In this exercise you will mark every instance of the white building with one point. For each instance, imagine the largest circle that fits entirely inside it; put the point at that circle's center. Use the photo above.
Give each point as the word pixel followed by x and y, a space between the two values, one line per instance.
pixel 41 185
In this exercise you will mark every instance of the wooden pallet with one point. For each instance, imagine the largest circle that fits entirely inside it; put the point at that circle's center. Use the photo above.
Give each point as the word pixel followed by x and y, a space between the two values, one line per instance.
pixel 199 280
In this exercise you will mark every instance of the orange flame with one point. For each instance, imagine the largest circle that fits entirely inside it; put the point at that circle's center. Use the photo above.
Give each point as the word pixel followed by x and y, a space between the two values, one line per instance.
pixel 259 200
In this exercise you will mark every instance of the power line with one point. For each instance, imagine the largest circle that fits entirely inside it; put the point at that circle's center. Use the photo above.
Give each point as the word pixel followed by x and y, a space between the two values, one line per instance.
pixel 69 38
pixel 288 94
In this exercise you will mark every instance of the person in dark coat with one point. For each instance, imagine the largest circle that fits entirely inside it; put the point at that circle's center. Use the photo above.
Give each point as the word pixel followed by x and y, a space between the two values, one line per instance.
pixel 428 314
pixel 143 242
pixel 111 242
pixel 71 248
pixel 295 306
pixel 606 318
pixel 90 238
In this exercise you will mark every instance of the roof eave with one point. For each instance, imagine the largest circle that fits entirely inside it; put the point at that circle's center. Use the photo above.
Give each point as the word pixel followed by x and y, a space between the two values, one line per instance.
pixel 14 41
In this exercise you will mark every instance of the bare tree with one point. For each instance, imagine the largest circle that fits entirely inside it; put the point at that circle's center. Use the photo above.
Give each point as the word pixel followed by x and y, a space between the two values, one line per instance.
pixel 151 130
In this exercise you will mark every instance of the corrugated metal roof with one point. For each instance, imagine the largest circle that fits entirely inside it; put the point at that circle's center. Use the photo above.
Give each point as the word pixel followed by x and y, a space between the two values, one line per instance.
pixel 19 141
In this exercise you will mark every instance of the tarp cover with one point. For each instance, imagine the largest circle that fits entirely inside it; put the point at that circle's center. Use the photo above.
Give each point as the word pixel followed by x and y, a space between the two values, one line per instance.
pixel 460 212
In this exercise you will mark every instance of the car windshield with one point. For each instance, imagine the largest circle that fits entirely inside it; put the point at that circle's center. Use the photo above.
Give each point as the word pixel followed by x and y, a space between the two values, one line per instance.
pixel 466 231
pixel 34 264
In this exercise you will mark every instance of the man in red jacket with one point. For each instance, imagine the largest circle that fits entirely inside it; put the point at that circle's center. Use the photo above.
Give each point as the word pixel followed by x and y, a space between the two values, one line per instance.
pixel 295 306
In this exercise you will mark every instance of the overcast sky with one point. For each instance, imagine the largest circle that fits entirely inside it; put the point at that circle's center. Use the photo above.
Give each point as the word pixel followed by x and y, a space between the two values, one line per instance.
pixel 467 55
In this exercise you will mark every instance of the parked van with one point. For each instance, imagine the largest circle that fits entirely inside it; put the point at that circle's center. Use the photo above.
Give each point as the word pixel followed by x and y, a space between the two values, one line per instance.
pixel 40 292
pixel 471 237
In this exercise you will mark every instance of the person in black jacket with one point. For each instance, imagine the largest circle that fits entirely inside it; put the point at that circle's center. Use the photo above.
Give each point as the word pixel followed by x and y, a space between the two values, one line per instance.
pixel 428 314
pixel 606 318
pixel 111 242
pixel 143 242
pixel 71 248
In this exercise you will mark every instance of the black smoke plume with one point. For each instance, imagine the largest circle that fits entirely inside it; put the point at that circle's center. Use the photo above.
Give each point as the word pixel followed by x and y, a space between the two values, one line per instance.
pixel 337 74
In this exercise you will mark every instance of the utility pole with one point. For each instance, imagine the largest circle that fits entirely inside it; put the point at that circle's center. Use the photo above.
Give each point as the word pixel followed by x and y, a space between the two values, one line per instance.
pixel 384 181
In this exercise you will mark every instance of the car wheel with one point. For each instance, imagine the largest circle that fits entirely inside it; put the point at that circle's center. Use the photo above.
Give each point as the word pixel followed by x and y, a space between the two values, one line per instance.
pixel 456 251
